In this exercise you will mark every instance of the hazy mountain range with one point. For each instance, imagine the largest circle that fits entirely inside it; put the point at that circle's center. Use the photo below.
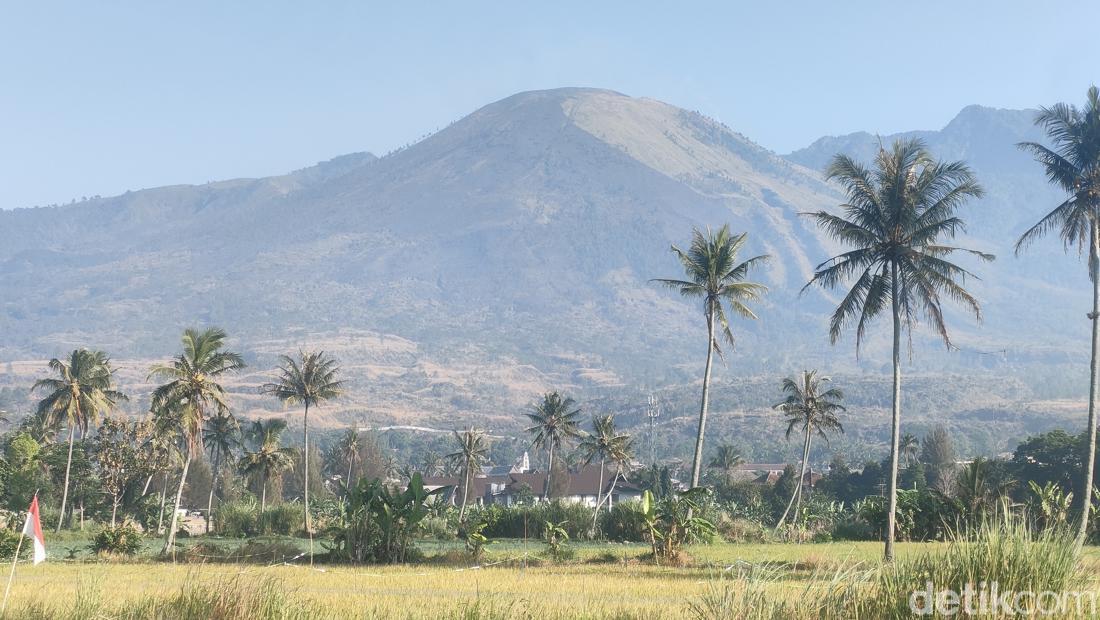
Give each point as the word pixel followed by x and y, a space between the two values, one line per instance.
pixel 511 252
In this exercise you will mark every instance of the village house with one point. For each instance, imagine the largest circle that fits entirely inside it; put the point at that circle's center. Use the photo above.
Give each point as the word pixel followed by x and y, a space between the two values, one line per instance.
pixel 509 485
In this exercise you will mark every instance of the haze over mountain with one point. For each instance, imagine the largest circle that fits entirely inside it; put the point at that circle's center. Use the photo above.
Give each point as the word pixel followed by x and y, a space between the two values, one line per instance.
pixel 510 253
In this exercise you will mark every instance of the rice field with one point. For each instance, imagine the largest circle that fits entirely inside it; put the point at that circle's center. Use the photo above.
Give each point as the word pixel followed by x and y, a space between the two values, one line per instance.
pixel 602 581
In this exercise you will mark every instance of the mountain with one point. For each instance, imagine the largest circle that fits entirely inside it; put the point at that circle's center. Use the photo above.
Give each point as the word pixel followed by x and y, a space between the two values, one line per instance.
pixel 508 254
pixel 1035 302
pixel 527 229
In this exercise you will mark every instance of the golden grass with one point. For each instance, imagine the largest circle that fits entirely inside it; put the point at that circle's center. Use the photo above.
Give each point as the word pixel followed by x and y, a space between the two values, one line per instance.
pixel 620 588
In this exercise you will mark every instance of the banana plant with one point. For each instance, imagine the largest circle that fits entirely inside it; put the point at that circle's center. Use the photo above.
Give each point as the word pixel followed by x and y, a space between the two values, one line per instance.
pixel 675 521
pixel 379 523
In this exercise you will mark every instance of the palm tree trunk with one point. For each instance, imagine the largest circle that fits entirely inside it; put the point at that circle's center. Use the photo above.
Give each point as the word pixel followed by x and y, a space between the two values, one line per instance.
pixel 465 492
pixel 802 475
pixel 213 487
pixel 305 484
pixel 1090 460
pixel 549 471
pixel 263 495
pixel 798 483
pixel 347 488
pixel 895 422
pixel 305 469
pixel 171 540
pixel 599 492
pixel 163 498
pixel 145 489
pixel 68 466
pixel 697 462
pixel 114 509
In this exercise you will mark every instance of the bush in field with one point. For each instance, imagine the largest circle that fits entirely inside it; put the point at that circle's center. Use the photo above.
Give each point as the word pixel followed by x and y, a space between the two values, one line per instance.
pixel 237 519
pixel 520 521
pixel 241 519
pixel 9 540
pixel 122 539
pixel 624 523
pixel 675 521
pixel 282 520
pixel 379 524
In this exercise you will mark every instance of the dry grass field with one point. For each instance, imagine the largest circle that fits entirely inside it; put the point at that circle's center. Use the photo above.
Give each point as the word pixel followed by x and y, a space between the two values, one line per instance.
pixel 602 581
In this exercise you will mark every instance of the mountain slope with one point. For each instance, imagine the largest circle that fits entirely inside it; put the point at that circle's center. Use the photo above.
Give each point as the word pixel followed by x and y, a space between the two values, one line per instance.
pixel 507 254
pixel 529 229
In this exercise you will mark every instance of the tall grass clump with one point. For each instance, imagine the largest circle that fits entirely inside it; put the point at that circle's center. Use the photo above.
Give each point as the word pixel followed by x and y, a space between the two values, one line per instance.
pixel 1006 552
pixel 237 597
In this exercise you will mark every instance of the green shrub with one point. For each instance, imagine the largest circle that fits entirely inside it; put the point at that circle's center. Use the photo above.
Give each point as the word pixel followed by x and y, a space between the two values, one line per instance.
pixel 237 519
pixel 624 523
pixel 520 521
pixel 283 519
pixel 9 540
pixel 122 539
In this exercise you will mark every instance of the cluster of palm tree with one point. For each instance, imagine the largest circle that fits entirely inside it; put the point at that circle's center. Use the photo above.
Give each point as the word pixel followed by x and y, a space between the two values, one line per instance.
pixel 897 223
pixel 191 414
pixel 555 424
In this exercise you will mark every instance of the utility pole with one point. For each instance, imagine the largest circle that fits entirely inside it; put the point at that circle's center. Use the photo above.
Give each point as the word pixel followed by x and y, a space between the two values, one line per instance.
pixel 653 411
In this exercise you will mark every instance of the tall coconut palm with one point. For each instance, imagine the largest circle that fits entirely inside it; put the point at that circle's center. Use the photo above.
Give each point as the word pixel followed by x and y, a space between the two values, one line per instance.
pixel 221 435
pixel 348 448
pixel 555 422
pixel 715 275
pixel 82 391
pixel 1074 165
pixel 908 447
pixel 309 381
pixel 268 458
pixel 811 404
pixel 726 459
pixel 603 443
pixel 472 453
pixel 191 389
pixel 895 221
pixel 162 448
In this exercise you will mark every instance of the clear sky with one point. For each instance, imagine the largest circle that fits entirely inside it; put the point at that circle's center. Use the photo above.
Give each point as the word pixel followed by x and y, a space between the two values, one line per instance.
pixel 101 97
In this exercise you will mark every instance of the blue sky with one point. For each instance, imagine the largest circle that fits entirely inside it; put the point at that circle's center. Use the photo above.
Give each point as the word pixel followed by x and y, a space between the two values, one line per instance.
pixel 99 98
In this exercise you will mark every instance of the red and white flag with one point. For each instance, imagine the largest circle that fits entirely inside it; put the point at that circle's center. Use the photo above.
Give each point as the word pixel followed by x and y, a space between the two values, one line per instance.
pixel 33 530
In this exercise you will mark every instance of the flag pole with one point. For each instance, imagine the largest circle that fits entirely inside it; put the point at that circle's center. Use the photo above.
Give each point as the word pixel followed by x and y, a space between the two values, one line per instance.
pixel 14 561
pixel 7 591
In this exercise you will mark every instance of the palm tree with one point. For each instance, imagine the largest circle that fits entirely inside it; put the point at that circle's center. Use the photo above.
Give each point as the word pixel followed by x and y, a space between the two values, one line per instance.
pixel 714 275
pixel 555 421
pixel 908 447
pixel 431 463
pixel 726 459
pixel 809 405
pixel 310 380
pixel 472 453
pixel 895 220
pixel 163 451
pixel 268 459
pixel 348 449
pixel 221 436
pixel 82 391
pixel 603 443
pixel 192 387
pixel 1074 165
